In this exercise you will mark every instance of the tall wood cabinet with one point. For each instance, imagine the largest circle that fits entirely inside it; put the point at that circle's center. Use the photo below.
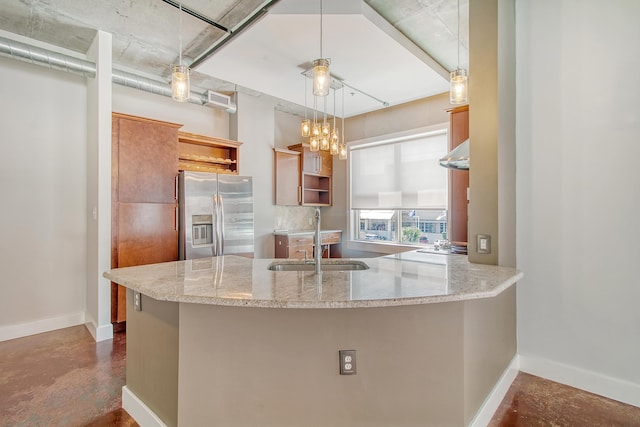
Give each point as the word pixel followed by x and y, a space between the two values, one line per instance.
pixel 143 191
pixel 458 179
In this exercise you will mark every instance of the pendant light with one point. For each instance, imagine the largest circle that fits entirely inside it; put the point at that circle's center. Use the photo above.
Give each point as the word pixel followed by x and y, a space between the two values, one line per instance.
pixel 342 146
pixel 180 84
pixel 305 126
pixel 458 79
pixel 320 73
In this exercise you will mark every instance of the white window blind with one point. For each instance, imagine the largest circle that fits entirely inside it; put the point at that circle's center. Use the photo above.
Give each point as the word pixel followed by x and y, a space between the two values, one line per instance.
pixel 400 174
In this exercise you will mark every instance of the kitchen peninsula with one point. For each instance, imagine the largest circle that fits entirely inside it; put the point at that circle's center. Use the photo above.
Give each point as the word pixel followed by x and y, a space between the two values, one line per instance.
pixel 226 341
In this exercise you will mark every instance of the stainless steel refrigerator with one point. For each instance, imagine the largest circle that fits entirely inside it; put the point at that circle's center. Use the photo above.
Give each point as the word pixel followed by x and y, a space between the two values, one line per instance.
pixel 216 214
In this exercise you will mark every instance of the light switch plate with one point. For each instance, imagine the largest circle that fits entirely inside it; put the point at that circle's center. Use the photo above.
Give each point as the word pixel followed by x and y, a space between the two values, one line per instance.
pixel 483 244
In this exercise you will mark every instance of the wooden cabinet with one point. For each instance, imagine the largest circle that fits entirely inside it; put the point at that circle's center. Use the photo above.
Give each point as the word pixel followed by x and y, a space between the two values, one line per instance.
pixel 286 185
pixel 143 191
pixel 201 153
pixel 294 246
pixel 316 169
pixel 301 246
pixel 458 179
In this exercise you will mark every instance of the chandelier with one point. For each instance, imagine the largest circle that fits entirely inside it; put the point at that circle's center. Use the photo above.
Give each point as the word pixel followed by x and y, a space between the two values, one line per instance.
pixel 321 133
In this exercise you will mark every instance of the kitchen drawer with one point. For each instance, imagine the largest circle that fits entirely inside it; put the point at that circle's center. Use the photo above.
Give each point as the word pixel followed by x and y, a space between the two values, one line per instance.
pixel 331 238
pixel 300 240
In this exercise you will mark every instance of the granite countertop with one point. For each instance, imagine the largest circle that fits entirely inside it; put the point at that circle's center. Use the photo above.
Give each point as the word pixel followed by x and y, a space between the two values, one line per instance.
pixel 402 279
pixel 299 232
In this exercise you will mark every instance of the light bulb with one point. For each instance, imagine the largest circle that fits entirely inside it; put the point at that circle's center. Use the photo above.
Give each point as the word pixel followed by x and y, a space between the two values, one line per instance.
pixel 315 129
pixel 326 129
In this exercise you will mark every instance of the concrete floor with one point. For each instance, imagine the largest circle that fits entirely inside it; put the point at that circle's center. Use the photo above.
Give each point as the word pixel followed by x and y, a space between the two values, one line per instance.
pixel 64 378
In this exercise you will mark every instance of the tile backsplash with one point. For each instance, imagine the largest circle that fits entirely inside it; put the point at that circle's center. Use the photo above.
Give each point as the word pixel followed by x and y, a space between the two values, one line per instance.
pixel 294 218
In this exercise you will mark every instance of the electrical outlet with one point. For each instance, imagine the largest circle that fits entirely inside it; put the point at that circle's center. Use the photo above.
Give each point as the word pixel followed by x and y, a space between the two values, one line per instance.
pixel 137 301
pixel 483 244
pixel 347 362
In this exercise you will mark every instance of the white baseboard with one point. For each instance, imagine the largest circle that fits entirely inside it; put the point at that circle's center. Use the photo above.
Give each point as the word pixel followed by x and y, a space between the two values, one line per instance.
pixel 39 326
pixel 613 388
pixel 99 333
pixel 494 399
pixel 139 411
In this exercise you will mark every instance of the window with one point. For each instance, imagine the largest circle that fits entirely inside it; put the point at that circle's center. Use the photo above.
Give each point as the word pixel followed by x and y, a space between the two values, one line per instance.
pixel 399 190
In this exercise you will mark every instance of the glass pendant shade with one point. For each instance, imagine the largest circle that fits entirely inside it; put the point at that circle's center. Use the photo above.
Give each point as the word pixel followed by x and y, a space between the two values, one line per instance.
pixel 326 129
pixel 458 87
pixel 180 86
pixel 321 77
pixel 305 127
pixel 342 152
pixel 335 142
pixel 314 143
pixel 324 143
pixel 316 129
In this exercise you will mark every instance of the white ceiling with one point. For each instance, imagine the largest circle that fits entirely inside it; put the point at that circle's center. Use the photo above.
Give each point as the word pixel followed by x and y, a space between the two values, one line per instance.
pixel 395 51
pixel 271 56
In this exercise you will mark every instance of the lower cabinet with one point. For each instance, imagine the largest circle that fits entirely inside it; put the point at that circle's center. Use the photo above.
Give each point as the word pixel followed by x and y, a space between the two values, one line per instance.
pixel 300 246
pixel 146 234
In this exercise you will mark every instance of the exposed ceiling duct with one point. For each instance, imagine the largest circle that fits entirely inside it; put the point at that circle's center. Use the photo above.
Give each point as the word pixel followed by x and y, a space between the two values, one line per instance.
pixel 58 61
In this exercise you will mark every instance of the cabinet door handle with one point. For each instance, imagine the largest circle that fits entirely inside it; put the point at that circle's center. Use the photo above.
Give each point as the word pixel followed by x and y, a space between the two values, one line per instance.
pixel 299 194
pixel 175 187
pixel 177 219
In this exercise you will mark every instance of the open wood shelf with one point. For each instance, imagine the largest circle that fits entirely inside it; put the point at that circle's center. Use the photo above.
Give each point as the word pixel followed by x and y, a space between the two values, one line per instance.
pixel 201 153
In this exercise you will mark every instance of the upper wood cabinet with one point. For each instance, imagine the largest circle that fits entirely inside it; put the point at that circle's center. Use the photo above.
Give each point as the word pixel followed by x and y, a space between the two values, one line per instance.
pixel 458 179
pixel 201 153
pixel 286 185
pixel 316 170
pixel 146 159
pixel 318 162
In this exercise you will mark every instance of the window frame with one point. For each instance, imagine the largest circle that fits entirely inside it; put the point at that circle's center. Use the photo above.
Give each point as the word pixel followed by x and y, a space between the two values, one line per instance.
pixel 353 226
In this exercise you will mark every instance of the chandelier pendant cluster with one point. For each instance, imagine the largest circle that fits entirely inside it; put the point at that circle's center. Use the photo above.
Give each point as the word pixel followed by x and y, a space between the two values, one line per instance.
pixel 322 135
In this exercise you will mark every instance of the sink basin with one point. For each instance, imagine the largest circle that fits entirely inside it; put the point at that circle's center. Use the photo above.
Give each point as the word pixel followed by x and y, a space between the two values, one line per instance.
pixel 326 266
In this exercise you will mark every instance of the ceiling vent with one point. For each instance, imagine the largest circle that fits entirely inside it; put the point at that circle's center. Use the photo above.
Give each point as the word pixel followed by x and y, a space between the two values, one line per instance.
pixel 220 101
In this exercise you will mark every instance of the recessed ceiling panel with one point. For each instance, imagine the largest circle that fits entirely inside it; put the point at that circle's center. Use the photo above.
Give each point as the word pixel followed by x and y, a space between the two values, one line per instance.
pixel 268 58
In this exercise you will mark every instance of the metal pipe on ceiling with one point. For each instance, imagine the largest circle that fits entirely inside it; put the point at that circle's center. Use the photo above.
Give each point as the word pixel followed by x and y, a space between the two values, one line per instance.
pixel 197 15
pixel 58 61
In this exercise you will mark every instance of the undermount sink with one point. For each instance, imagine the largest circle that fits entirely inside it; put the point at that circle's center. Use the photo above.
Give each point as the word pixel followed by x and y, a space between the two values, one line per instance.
pixel 326 266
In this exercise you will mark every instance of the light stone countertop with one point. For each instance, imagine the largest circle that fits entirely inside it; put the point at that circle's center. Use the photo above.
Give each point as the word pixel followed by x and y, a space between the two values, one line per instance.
pixel 402 279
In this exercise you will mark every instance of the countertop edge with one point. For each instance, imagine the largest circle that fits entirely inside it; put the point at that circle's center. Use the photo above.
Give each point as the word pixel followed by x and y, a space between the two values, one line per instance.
pixel 371 303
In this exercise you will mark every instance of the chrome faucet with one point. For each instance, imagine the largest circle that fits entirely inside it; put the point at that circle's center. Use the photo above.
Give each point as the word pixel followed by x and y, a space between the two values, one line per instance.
pixel 317 254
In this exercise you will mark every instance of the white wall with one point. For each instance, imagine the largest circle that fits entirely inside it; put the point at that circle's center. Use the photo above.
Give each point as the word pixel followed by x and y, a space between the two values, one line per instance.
pixel 194 118
pixel 253 125
pixel 47 257
pixel 578 127
pixel 43 186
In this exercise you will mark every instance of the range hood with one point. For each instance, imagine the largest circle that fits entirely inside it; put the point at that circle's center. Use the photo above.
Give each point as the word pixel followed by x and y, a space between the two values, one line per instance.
pixel 458 158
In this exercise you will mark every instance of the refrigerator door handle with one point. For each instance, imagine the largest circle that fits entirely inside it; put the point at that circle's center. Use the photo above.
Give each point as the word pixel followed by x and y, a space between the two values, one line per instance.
pixel 221 219
pixel 214 246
